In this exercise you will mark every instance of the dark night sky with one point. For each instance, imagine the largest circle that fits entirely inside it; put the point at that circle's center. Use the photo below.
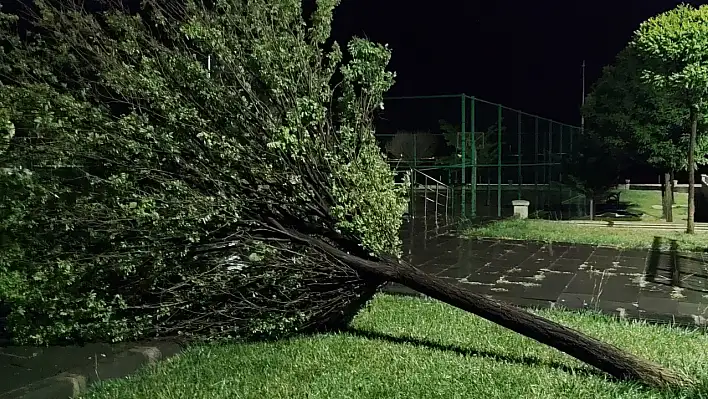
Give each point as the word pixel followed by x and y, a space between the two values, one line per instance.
pixel 522 54
pixel 525 55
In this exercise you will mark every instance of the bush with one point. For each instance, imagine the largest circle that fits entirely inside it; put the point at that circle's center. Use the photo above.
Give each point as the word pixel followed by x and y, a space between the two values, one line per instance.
pixel 139 189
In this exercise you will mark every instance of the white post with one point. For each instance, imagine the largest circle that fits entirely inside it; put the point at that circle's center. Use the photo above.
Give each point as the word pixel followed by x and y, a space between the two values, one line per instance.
pixel 521 209
pixel 592 209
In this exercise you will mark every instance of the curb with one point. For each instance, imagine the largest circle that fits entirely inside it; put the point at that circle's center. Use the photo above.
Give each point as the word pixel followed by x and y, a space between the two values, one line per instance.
pixel 73 383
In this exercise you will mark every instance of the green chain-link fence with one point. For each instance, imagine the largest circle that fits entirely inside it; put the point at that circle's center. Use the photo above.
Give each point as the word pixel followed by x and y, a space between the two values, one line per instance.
pixel 488 154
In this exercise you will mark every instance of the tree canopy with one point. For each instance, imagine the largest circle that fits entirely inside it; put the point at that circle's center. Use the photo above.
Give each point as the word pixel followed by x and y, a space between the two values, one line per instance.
pixel 673 48
pixel 153 150
pixel 673 52
pixel 592 169
pixel 639 121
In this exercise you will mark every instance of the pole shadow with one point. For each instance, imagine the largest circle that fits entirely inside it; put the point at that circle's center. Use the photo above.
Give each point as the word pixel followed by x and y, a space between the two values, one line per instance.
pixel 522 360
pixel 653 264
pixel 674 264
pixel 674 267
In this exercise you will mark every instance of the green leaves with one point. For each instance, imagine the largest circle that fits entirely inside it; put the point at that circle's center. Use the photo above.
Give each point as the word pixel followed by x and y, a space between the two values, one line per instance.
pixel 321 26
pixel 673 49
pixel 136 190
pixel 638 119
pixel 7 130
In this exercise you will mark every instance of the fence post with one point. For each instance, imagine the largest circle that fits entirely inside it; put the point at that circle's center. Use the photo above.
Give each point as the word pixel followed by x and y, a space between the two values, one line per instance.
pixel 535 158
pixel 415 149
pixel 518 154
pixel 499 158
pixel 560 169
pixel 550 156
pixel 464 155
pixel 572 130
pixel 473 180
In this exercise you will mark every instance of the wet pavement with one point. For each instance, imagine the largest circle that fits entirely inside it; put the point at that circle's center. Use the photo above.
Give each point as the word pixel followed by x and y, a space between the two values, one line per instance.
pixel 650 285
pixel 21 366
pixel 643 284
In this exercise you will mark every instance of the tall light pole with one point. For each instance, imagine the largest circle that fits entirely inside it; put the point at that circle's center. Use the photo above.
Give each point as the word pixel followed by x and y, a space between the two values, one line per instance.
pixel 582 117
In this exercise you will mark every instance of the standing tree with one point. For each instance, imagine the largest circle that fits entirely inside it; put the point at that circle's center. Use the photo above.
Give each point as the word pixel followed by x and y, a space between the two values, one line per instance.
pixel 592 169
pixel 640 123
pixel 673 50
pixel 144 194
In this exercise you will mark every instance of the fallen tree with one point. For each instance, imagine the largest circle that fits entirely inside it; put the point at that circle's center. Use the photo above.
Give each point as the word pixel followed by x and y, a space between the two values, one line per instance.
pixel 207 170
pixel 608 358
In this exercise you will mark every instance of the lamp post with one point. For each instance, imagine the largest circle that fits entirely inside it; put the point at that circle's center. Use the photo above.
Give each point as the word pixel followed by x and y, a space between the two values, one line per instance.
pixel 582 117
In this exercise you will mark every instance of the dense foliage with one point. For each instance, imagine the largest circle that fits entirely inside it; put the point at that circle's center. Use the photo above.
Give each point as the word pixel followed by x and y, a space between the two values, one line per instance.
pixel 148 152
pixel 641 122
pixel 673 51
pixel 592 169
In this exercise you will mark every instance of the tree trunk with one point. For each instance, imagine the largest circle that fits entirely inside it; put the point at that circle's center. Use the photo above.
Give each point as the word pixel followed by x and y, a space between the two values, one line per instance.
pixel 605 357
pixel 690 225
pixel 673 188
pixel 662 185
pixel 666 198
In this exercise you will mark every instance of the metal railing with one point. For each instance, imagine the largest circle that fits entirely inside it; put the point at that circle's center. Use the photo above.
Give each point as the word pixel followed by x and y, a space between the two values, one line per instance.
pixel 434 192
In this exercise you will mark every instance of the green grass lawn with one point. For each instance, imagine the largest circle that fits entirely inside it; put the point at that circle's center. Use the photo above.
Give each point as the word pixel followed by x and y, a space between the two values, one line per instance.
pixel 648 202
pixel 403 347
pixel 550 231
pixel 637 201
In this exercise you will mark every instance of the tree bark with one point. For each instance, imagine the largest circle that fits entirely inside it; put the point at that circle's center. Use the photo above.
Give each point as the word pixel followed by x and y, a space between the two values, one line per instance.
pixel 608 358
pixel 673 188
pixel 662 183
pixel 690 225
pixel 666 198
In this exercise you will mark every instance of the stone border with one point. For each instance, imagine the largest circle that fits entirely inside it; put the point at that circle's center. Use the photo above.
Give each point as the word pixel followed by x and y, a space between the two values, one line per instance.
pixel 73 383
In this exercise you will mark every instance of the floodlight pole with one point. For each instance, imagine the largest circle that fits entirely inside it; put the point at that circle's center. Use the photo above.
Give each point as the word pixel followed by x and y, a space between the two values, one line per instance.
pixel 582 117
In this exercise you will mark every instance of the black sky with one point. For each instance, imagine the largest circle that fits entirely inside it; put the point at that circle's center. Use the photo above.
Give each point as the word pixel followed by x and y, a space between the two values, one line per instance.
pixel 523 54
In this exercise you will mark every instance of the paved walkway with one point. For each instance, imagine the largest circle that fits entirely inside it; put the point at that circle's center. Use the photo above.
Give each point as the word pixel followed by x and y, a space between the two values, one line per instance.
pixel 61 372
pixel 643 284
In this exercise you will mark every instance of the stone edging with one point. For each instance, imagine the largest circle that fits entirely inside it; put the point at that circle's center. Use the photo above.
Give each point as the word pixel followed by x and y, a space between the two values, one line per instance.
pixel 75 382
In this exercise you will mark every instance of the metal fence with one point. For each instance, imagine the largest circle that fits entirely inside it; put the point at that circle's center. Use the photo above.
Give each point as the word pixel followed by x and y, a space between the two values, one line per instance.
pixel 488 153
